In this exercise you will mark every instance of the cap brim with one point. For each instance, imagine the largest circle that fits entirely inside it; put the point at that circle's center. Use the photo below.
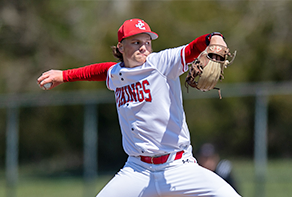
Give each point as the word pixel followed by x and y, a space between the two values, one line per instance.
pixel 152 35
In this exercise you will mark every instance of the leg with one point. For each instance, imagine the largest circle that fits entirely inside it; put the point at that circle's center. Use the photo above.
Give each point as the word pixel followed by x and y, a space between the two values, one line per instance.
pixel 131 181
pixel 190 179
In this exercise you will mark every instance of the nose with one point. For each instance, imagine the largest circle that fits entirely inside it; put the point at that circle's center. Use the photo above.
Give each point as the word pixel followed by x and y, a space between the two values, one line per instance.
pixel 142 48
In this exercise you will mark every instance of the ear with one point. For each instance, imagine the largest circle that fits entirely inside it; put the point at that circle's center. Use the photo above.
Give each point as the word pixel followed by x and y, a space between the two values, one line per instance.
pixel 120 47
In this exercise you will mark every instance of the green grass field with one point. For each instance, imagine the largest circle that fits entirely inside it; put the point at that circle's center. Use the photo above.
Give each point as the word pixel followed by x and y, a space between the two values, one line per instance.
pixel 278 178
pixel 278 183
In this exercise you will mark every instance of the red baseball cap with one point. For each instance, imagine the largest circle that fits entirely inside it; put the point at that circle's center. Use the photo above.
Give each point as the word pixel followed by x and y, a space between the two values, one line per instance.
pixel 135 26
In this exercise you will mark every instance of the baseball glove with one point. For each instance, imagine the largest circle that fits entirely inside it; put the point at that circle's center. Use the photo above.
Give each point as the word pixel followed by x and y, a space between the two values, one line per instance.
pixel 207 69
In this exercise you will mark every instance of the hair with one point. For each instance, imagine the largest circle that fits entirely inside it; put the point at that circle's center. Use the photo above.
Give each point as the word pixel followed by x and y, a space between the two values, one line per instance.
pixel 117 54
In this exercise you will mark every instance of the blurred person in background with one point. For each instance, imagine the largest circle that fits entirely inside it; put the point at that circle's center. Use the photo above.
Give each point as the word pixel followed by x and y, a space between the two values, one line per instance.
pixel 210 159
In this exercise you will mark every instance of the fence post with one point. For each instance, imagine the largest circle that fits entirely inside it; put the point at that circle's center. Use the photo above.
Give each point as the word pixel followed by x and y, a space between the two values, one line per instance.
pixel 90 148
pixel 11 151
pixel 260 146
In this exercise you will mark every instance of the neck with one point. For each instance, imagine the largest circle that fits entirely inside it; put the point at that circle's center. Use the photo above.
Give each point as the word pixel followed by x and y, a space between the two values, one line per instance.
pixel 128 64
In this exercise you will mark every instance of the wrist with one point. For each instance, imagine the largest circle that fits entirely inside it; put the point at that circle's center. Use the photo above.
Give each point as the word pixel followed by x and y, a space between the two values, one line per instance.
pixel 65 76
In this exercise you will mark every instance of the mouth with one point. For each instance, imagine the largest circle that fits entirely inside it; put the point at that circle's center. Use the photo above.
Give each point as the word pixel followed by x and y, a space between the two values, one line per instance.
pixel 144 55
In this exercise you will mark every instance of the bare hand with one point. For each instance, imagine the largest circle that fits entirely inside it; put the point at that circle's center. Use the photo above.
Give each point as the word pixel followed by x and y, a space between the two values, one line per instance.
pixel 52 76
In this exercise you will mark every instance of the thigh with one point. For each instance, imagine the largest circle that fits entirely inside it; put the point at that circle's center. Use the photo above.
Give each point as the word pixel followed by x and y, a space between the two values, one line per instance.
pixel 190 179
pixel 129 182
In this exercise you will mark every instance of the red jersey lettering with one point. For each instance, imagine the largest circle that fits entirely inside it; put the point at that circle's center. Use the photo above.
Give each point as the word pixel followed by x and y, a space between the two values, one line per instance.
pixel 148 98
pixel 140 93
pixel 136 92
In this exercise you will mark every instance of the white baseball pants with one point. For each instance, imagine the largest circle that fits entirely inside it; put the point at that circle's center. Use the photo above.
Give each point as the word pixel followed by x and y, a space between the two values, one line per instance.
pixel 183 177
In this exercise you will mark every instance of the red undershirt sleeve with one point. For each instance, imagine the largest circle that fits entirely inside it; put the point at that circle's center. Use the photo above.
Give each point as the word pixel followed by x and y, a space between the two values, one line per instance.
pixel 93 72
pixel 194 48
pixel 98 72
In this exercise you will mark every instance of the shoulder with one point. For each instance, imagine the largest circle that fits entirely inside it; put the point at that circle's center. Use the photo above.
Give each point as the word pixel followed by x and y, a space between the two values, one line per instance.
pixel 115 66
pixel 166 53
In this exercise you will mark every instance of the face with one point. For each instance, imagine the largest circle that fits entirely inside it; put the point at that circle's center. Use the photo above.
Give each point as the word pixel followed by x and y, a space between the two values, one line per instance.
pixel 135 49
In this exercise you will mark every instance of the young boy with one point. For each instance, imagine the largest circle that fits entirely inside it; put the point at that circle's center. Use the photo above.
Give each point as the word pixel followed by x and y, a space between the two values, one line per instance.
pixel 151 116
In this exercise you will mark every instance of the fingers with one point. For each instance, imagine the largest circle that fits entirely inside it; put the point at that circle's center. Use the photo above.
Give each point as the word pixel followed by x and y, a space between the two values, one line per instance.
pixel 50 79
pixel 216 57
pixel 43 79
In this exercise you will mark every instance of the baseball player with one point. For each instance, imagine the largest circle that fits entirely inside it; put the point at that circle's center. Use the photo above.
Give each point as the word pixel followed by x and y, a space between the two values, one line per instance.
pixel 151 116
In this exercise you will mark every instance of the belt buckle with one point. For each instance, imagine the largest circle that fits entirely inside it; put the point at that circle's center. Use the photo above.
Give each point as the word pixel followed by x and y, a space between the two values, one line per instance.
pixel 152 160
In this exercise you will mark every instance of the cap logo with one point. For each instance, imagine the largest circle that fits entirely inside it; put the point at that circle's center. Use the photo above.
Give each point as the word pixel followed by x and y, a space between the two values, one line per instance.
pixel 140 25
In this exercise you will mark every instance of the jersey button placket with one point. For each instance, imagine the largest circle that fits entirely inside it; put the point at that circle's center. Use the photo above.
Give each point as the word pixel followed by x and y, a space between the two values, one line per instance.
pixel 122 79
pixel 133 127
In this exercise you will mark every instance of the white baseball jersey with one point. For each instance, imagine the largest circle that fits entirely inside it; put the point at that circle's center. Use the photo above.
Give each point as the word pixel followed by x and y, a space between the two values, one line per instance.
pixel 149 104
